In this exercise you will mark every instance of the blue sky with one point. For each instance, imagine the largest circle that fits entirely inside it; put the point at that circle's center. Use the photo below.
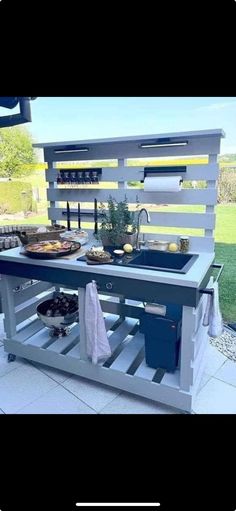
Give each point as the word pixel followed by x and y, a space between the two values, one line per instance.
pixel 75 118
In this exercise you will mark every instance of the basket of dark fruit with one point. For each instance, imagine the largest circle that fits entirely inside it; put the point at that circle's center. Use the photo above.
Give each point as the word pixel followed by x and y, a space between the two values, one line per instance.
pixel 59 313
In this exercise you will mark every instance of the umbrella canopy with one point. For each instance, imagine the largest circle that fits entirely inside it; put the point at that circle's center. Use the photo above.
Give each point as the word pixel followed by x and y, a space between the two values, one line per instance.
pixel 11 102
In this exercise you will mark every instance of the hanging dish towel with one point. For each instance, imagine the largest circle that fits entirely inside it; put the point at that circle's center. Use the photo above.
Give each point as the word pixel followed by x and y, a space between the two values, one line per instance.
pixel 97 342
pixel 212 316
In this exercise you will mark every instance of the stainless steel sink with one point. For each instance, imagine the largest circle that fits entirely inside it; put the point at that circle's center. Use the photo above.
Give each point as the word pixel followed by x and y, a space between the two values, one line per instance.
pixel 157 260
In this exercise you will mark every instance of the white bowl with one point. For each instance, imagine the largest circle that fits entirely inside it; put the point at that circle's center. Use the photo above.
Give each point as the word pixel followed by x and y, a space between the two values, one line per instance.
pixel 118 253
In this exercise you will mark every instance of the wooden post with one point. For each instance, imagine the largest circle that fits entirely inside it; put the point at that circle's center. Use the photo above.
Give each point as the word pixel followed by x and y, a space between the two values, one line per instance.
pixel 83 344
pixel 187 348
pixel 8 306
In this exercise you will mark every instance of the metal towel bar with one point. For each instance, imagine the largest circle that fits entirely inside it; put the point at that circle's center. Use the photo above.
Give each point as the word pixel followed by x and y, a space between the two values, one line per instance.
pixel 211 291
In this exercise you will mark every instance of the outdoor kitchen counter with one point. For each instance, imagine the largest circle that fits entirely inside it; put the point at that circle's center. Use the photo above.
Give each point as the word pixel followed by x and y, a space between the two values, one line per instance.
pixel 118 279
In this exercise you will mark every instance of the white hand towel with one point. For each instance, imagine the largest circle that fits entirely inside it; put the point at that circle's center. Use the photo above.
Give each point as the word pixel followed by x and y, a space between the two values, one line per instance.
pixel 97 342
pixel 212 316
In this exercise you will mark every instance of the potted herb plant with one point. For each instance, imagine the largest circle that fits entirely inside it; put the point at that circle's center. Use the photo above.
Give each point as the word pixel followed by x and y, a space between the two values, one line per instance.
pixel 118 225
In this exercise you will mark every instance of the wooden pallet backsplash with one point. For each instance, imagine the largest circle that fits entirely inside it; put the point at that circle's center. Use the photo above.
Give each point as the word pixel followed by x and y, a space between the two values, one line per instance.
pixel 203 223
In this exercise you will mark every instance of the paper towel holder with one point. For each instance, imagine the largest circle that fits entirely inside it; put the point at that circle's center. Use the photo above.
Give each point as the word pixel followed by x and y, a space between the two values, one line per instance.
pixel 150 171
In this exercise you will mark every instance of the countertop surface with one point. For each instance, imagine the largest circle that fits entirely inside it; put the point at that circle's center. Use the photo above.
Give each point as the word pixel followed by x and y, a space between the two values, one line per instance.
pixel 192 278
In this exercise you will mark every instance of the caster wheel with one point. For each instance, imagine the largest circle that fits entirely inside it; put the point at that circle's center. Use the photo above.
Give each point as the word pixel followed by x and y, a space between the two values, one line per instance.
pixel 11 357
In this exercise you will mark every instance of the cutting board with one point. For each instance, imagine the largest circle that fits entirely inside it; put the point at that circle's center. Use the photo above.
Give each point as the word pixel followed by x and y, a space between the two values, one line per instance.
pixel 99 262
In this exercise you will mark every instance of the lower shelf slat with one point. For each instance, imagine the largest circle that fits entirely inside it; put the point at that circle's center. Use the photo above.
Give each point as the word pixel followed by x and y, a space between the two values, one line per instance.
pixel 127 356
pixel 145 371
pixel 28 331
pixel 62 343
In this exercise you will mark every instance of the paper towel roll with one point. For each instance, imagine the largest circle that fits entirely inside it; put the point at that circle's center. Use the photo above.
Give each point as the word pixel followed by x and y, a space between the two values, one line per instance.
pixel 163 184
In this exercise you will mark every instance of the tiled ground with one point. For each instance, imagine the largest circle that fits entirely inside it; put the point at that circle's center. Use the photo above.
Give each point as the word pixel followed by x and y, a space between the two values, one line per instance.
pixel 30 388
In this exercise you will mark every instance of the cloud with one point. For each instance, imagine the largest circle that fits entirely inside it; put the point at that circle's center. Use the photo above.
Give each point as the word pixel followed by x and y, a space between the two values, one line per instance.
pixel 216 106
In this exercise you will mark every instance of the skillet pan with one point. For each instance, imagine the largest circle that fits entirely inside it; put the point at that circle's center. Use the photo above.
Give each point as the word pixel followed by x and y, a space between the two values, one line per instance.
pixel 74 246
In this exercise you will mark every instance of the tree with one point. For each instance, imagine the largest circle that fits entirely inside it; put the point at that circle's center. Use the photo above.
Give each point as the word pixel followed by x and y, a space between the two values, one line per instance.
pixel 16 152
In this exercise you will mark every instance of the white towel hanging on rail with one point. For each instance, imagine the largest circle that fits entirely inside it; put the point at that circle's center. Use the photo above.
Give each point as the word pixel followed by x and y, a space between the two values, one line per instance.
pixel 96 336
pixel 212 316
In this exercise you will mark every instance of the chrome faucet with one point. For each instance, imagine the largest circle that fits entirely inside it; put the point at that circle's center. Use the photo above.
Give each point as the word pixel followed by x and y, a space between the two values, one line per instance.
pixel 138 227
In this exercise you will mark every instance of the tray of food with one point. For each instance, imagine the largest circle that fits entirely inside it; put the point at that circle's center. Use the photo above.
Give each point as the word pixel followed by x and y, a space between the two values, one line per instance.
pixel 75 235
pixel 98 256
pixel 50 249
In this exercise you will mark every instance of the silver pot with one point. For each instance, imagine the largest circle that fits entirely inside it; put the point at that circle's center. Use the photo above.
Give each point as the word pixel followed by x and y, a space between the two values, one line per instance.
pixel 59 324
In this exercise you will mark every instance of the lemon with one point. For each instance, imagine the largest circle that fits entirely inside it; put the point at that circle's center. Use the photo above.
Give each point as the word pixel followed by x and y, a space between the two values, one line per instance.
pixel 173 247
pixel 128 248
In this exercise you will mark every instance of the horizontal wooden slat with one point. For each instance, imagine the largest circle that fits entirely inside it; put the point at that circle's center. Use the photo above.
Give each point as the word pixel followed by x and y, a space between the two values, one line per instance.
pixel 109 322
pixel 121 309
pixel 187 196
pixel 29 330
pixel 146 372
pixel 31 291
pixel 121 333
pixel 128 354
pixel 40 340
pixel 14 282
pixel 171 379
pixel 115 174
pixel 130 149
pixel 27 309
pixel 168 219
pixel 62 343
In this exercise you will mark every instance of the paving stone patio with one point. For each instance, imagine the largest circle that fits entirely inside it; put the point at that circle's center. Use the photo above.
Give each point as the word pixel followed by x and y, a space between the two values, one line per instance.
pixel 31 388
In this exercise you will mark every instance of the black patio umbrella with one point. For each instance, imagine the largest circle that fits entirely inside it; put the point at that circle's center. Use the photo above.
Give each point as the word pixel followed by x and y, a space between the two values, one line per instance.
pixel 17 118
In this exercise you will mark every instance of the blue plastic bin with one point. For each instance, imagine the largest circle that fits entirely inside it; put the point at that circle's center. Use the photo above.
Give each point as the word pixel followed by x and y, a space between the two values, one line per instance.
pixel 162 337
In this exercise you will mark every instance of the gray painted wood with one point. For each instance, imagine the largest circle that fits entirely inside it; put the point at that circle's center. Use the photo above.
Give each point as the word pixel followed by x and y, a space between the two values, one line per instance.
pixel 121 333
pixel 189 135
pixel 62 344
pixel 128 355
pixel 145 372
pixel 121 309
pixel 141 387
pixel 31 291
pixel 199 339
pixel 28 331
pixel 27 309
pixel 187 348
pixel 40 339
pixel 6 288
pixel 200 357
pixel 168 219
pixel 109 322
pixel 83 344
pixel 130 173
pixel 172 379
pixel 185 196
pixel 199 312
pixel 130 148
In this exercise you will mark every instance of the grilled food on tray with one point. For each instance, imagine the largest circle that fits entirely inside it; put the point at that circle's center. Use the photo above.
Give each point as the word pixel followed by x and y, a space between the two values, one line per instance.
pixel 50 246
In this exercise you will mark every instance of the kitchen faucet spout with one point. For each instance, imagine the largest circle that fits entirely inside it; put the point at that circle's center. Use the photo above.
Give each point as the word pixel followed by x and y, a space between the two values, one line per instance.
pixel 143 210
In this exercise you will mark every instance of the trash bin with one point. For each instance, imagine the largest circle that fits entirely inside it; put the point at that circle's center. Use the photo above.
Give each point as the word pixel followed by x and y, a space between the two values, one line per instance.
pixel 162 337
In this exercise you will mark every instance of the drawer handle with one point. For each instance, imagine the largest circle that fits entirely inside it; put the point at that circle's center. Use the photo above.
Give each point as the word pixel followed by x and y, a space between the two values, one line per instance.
pixel 109 286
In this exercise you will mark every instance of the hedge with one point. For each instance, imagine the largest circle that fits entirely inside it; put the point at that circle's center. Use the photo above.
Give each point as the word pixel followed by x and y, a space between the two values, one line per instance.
pixel 11 198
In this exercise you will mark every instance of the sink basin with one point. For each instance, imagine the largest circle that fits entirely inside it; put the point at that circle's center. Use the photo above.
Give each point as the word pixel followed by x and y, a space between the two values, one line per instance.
pixel 154 260
pixel 158 260
pixel 164 261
